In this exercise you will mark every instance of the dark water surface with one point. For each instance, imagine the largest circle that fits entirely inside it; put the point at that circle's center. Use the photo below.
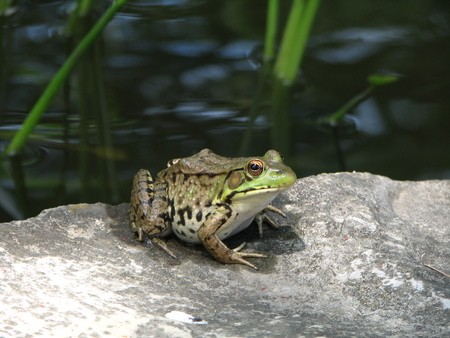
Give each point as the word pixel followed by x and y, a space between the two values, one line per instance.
pixel 180 76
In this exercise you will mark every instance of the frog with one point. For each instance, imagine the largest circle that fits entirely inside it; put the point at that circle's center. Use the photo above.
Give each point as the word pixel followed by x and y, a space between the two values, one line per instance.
pixel 206 198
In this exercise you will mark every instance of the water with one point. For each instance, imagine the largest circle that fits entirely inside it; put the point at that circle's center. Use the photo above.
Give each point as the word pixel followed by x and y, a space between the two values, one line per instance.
pixel 180 76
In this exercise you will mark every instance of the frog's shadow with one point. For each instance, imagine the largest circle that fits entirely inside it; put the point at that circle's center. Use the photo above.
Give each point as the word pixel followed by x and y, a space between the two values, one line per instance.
pixel 281 241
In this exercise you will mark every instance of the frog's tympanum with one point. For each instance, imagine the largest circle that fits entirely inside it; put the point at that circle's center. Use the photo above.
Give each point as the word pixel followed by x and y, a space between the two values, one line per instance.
pixel 206 198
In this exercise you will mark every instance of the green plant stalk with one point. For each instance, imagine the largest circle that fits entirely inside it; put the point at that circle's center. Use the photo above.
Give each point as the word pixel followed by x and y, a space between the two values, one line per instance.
pixel 280 135
pixel 83 74
pixel 374 80
pixel 4 5
pixel 84 6
pixel 20 188
pixel 44 101
pixel 271 31
pixel 4 64
pixel 286 68
pixel 337 148
pixel 104 128
pixel 81 10
pixel 340 113
pixel 294 40
pixel 5 50
pixel 269 48
pixel 289 42
pixel 257 98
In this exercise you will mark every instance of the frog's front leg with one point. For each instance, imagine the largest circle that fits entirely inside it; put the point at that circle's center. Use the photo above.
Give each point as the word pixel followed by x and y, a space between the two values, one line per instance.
pixel 263 216
pixel 207 234
pixel 148 209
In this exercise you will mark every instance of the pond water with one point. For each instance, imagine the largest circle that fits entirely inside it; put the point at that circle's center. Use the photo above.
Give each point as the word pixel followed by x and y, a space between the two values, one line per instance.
pixel 179 76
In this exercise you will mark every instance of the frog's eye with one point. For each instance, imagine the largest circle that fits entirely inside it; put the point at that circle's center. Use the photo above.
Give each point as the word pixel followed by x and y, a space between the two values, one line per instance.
pixel 255 167
pixel 172 162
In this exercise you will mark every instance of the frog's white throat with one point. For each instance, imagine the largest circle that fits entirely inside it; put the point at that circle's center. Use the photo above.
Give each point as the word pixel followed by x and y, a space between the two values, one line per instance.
pixel 247 206
pixel 254 201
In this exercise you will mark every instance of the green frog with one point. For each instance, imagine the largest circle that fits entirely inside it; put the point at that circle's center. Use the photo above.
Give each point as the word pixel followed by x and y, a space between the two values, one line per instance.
pixel 206 198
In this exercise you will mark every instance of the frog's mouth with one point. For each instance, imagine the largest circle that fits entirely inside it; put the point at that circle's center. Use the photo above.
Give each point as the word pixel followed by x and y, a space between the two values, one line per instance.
pixel 255 193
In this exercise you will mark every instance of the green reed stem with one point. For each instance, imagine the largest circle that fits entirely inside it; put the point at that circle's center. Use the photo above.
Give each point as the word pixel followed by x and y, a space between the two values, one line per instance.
pixel 294 40
pixel 350 105
pixel 286 67
pixel 271 30
pixel 374 81
pixel 84 6
pixel 103 117
pixel 269 52
pixel 4 6
pixel 6 24
pixel 44 101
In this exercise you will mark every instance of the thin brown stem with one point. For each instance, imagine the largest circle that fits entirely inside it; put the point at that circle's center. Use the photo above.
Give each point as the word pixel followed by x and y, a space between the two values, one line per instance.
pixel 437 270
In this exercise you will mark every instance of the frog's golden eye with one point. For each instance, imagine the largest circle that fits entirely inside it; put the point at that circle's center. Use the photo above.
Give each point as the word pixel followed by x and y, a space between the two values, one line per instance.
pixel 172 162
pixel 255 167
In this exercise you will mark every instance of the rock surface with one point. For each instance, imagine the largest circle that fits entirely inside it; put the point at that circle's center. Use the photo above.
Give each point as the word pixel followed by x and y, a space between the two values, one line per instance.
pixel 349 261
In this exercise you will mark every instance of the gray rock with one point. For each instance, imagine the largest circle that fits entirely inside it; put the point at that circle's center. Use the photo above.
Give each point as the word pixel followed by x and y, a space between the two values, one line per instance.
pixel 348 262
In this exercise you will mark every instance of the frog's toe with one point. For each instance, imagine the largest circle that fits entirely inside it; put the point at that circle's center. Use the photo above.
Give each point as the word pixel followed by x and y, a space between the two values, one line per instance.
pixel 158 241
pixel 247 254
pixel 240 247
pixel 140 235
pixel 237 258
pixel 252 254
pixel 271 208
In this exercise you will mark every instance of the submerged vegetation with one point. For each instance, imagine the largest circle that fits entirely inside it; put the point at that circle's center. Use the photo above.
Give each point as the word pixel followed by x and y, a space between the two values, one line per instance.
pixel 63 73
pixel 163 82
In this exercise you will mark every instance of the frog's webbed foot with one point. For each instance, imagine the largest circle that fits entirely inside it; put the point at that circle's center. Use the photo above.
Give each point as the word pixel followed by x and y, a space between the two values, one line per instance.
pixel 263 216
pixel 158 241
pixel 236 256
pixel 225 255
pixel 248 254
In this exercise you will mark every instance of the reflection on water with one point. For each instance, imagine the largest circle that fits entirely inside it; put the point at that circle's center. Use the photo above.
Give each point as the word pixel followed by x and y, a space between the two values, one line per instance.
pixel 180 76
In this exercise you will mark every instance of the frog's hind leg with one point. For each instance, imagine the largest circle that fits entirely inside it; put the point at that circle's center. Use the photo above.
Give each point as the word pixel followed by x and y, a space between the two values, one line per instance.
pixel 225 255
pixel 148 210
pixel 207 234
pixel 148 206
